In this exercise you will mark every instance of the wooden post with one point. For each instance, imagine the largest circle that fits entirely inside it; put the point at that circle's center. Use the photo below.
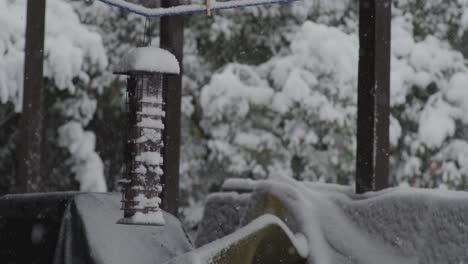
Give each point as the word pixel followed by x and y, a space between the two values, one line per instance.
pixel 172 39
pixel 29 144
pixel 373 95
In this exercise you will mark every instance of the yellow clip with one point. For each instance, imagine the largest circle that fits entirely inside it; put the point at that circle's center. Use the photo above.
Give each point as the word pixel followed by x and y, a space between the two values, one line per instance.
pixel 208 7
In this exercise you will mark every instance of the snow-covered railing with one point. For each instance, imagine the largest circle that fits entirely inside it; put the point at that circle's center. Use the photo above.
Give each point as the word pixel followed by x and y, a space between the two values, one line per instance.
pixel 188 9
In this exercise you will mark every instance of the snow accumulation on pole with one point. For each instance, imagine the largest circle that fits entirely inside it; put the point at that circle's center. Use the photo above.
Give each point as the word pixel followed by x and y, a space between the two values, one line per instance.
pixel 188 9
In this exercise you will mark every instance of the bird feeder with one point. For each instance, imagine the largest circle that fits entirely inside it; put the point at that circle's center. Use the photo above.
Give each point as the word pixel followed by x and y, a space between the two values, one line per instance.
pixel 141 187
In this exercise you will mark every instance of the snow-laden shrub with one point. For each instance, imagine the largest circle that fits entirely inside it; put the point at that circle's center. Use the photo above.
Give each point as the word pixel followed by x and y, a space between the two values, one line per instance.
pixel 295 114
pixel 73 54
pixel 428 91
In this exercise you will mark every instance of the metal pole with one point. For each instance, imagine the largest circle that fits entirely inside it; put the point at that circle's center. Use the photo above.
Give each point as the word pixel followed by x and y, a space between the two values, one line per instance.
pixel 172 39
pixel 373 96
pixel 29 143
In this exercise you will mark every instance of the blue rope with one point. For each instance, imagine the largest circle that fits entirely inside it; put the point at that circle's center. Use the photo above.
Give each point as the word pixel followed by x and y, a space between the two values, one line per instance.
pixel 188 9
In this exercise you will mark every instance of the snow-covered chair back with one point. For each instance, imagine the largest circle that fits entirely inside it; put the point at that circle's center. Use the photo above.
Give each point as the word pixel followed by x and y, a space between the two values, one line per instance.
pixel 397 225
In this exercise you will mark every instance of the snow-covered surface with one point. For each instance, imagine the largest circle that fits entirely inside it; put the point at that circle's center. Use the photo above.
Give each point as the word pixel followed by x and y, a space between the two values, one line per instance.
pixel 111 243
pixel 210 252
pixel 152 111
pixel 149 135
pixel 148 59
pixel 146 202
pixel 147 122
pixel 237 184
pixel 397 225
pixel 152 99
pixel 150 158
pixel 222 216
pixel 188 9
pixel 150 218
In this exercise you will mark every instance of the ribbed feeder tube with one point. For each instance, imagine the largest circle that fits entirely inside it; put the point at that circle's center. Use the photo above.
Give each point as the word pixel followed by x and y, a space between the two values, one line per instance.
pixel 142 185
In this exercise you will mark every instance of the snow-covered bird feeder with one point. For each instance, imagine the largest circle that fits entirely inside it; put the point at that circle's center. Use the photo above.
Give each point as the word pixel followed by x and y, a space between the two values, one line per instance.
pixel 141 187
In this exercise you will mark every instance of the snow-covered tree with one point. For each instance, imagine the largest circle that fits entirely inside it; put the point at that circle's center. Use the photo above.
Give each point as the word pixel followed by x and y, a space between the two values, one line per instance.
pixel 73 55
pixel 228 45
pixel 272 90
pixel 427 101
pixel 293 115
pixel 245 133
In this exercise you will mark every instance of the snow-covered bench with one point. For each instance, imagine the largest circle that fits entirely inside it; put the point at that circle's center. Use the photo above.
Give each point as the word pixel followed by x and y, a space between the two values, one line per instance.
pixel 69 228
pixel 330 224
pixel 265 240
pixel 266 222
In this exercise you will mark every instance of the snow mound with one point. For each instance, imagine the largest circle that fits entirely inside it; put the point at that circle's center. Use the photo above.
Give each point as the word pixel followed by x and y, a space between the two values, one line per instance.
pixel 148 59
pixel 397 225
pixel 89 228
pixel 242 246
pixel 222 215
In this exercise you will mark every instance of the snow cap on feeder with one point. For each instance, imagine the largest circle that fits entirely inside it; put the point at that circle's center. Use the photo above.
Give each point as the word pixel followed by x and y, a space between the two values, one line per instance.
pixel 141 187
pixel 149 60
